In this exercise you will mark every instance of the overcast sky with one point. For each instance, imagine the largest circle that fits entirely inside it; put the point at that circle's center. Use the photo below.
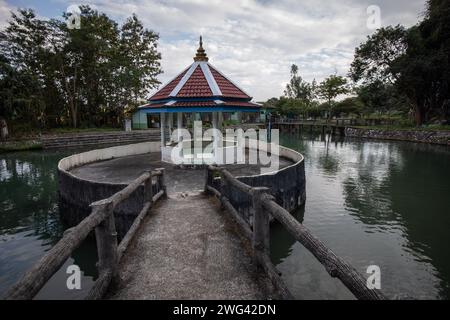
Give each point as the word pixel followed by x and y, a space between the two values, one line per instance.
pixel 254 42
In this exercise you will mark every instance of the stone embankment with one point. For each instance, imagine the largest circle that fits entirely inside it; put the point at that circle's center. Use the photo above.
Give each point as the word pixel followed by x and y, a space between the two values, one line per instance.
pixel 434 137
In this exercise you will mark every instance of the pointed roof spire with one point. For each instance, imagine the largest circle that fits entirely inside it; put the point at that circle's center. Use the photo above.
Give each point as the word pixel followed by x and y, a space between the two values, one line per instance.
pixel 201 54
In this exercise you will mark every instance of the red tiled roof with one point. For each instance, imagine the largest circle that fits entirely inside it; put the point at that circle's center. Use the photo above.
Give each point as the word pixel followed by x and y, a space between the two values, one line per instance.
pixel 208 103
pixel 196 85
pixel 194 104
pixel 167 89
pixel 241 104
pixel 228 89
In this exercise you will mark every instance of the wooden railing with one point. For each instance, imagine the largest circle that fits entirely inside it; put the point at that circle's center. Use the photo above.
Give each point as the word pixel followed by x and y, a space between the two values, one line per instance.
pixel 102 221
pixel 258 232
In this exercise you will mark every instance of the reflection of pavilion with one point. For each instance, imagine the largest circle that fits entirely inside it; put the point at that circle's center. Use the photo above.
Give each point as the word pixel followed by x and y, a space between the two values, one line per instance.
pixel 200 92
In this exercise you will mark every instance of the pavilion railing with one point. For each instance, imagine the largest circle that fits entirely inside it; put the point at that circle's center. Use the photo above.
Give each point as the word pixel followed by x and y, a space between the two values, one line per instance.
pixel 218 180
pixel 101 220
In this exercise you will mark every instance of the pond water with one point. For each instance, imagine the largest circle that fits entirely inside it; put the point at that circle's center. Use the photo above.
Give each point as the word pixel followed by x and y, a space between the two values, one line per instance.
pixel 373 203
pixel 30 224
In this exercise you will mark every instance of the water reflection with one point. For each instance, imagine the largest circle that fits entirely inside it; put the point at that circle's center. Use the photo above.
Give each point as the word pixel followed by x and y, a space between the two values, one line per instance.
pixel 30 224
pixel 373 202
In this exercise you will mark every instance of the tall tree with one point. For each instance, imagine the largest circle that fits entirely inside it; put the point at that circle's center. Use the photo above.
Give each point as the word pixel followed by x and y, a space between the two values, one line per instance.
pixel 415 61
pixel 140 60
pixel 330 88
pixel 299 89
pixel 87 75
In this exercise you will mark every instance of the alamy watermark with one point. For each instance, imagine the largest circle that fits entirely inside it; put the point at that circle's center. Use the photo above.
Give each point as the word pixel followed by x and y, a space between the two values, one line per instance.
pixel 374 17
pixel 73 20
pixel 213 147
pixel 374 280
pixel 73 282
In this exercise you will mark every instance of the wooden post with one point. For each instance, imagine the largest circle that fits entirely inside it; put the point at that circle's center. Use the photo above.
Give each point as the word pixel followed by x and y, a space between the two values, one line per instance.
pixel 261 224
pixel 209 179
pixel 106 238
pixel 161 181
pixel 148 189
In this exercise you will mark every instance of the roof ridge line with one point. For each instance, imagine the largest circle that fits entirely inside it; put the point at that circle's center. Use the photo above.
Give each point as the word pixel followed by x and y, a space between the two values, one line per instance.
pixel 183 80
pixel 217 70
pixel 168 82
pixel 212 83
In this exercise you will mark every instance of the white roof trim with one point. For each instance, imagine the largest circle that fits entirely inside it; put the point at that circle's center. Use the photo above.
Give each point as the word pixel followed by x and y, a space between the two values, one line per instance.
pixel 171 102
pixel 228 79
pixel 211 81
pixel 183 80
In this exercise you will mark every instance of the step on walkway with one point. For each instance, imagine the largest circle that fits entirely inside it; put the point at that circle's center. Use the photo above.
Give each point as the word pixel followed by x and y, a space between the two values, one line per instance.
pixel 187 248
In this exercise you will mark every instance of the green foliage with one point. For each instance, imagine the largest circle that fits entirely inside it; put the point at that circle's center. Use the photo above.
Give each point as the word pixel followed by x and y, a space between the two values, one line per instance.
pixel 409 66
pixel 348 106
pixel 298 89
pixel 52 76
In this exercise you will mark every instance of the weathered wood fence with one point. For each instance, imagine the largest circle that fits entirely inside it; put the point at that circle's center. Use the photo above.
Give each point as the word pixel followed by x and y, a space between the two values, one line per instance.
pixel 219 181
pixel 109 251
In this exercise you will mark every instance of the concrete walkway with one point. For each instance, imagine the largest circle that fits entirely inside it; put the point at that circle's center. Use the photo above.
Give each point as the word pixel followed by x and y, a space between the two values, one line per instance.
pixel 187 248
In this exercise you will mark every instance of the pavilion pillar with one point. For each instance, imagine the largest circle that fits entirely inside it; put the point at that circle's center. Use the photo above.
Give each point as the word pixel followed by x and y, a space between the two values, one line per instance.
pixel 170 125
pixel 179 124
pixel 220 120
pixel 163 127
pixel 214 120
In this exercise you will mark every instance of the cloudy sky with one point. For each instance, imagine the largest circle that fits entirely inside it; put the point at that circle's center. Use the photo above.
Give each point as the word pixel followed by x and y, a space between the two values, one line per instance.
pixel 254 42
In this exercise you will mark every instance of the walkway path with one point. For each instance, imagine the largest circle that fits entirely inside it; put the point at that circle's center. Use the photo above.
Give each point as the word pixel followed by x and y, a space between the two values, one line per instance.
pixel 187 248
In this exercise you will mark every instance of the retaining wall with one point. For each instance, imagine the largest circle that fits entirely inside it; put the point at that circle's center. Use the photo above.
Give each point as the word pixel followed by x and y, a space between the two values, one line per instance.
pixel 76 194
pixel 435 137
pixel 287 185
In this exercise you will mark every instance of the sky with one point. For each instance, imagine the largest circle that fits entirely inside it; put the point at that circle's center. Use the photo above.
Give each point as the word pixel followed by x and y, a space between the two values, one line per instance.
pixel 253 42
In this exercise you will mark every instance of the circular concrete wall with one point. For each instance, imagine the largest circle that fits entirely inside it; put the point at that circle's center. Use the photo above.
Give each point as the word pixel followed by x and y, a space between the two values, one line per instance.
pixel 76 194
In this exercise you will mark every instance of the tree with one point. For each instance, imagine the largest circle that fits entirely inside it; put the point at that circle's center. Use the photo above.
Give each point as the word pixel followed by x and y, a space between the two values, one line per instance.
pixel 299 89
pixel 140 60
pixel 425 67
pixel 88 76
pixel 415 61
pixel 24 82
pixel 332 87
pixel 374 58
pixel 381 97
pixel 351 105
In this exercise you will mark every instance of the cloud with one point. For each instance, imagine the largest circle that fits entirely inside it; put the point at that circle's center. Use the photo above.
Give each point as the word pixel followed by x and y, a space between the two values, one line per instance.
pixel 254 42
pixel 5 13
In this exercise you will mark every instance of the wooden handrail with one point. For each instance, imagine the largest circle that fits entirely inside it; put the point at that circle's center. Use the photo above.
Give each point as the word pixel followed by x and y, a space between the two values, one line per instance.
pixel 102 220
pixel 335 266
pixel 263 206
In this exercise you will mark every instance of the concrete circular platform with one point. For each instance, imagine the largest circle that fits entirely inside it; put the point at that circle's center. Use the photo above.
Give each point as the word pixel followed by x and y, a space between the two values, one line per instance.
pixel 123 170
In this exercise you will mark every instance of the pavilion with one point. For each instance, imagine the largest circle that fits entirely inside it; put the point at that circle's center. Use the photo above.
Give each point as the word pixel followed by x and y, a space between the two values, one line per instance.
pixel 200 92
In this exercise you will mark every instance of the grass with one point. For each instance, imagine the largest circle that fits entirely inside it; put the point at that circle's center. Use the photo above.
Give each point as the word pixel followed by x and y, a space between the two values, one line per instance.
pixel 12 146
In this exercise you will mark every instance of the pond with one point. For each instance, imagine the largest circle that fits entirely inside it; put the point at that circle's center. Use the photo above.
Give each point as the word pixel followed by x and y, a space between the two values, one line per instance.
pixel 30 224
pixel 372 202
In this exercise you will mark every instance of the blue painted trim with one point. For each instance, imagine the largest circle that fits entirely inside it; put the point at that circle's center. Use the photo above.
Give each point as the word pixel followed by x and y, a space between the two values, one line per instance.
pixel 198 99
pixel 198 109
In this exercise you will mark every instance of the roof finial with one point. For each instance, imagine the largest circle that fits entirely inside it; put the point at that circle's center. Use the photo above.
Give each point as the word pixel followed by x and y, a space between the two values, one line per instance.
pixel 201 55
